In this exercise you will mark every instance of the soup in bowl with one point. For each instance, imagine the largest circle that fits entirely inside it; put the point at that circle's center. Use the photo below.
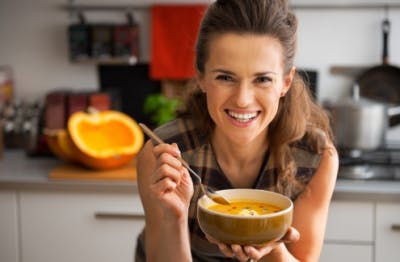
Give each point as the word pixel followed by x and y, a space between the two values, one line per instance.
pixel 254 216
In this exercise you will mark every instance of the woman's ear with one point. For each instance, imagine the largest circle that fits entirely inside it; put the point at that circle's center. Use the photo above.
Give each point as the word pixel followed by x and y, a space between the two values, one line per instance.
pixel 288 79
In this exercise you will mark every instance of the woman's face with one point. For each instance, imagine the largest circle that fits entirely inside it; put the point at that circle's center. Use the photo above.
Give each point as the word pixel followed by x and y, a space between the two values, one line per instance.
pixel 243 82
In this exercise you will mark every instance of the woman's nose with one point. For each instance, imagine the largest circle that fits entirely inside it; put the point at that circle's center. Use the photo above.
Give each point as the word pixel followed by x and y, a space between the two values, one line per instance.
pixel 244 95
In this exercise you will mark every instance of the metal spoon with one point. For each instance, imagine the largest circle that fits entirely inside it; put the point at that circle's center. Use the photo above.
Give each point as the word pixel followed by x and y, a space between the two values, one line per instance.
pixel 214 196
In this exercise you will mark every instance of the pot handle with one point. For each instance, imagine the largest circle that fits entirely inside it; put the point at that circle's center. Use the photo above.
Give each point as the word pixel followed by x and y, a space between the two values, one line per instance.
pixel 385 34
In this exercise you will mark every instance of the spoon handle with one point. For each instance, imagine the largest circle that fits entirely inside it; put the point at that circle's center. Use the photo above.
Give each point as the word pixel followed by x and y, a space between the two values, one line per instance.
pixel 156 138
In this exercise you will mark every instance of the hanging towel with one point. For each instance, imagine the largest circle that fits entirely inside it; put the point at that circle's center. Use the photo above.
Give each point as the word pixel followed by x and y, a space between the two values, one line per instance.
pixel 173 35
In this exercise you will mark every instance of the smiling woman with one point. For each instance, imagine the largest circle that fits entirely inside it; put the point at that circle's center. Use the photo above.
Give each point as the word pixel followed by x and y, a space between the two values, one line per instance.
pixel 249 122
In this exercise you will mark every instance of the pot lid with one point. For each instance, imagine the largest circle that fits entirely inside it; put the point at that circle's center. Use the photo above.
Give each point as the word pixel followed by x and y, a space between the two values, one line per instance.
pixel 356 101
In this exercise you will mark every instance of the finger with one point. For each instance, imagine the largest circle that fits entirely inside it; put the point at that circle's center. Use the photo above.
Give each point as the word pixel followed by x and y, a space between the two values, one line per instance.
pixel 258 253
pixel 167 158
pixel 239 253
pixel 163 186
pixel 166 148
pixel 225 249
pixel 291 236
pixel 167 171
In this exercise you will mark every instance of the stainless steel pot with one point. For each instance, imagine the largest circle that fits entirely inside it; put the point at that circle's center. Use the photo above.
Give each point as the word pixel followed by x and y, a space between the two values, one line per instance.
pixel 360 123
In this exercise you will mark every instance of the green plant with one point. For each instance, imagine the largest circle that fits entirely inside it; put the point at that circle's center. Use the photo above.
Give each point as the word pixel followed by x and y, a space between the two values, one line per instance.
pixel 160 108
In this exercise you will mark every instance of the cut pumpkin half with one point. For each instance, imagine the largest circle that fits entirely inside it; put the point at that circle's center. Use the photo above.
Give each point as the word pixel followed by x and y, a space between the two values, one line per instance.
pixel 105 140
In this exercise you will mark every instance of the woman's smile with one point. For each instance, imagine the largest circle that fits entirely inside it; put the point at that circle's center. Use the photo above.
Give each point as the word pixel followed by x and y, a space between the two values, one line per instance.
pixel 242 117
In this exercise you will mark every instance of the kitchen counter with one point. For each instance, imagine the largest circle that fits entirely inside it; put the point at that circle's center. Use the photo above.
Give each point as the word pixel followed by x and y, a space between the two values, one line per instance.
pixel 19 171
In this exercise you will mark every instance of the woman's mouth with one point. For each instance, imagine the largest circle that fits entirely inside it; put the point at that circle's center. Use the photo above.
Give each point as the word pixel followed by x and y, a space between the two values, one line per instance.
pixel 242 117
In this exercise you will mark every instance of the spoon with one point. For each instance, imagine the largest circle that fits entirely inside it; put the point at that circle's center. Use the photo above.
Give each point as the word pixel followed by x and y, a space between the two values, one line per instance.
pixel 214 196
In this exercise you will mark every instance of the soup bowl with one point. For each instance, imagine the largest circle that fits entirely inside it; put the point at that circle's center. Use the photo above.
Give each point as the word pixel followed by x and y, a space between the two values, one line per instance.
pixel 249 227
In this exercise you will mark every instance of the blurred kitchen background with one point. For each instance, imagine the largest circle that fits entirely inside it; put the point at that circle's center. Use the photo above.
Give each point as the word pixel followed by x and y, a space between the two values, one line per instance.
pixel 49 69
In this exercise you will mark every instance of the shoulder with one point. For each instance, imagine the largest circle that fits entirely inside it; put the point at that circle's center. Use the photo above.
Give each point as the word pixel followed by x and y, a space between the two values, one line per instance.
pixel 304 154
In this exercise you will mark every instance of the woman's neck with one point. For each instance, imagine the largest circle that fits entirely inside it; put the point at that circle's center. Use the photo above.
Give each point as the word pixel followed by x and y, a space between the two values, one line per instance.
pixel 240 163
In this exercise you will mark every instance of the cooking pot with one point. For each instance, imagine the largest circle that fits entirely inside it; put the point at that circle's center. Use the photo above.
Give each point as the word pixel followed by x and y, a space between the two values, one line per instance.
pixel 360 123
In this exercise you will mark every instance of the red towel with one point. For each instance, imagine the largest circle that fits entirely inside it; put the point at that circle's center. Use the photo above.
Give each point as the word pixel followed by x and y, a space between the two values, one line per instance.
pixel 173 35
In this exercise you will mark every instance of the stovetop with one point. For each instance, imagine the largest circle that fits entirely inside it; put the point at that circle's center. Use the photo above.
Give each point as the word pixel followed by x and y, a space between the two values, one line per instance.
pixel 379 164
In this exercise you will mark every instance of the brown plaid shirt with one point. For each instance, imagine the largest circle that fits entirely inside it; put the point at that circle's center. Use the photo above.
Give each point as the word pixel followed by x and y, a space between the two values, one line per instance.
pixel 197 151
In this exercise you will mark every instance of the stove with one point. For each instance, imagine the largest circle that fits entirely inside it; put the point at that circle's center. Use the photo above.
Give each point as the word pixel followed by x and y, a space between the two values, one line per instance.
pixel 379 164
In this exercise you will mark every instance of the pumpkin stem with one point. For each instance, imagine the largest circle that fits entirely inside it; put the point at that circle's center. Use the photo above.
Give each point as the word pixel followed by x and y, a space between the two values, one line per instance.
pixel 92 110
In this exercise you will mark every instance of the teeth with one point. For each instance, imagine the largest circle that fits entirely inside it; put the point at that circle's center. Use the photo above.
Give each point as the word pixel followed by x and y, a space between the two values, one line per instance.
pixel 242 117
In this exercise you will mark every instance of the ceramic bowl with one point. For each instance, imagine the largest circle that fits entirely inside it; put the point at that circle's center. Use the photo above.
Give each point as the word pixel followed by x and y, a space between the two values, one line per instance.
pixel 246 230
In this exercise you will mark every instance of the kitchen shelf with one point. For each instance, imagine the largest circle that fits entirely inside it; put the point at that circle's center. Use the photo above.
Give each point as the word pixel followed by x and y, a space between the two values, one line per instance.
pixel 111 7
pixel 105 60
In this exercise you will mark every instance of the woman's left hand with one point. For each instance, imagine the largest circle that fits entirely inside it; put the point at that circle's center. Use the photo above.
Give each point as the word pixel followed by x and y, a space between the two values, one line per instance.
pixel 254 253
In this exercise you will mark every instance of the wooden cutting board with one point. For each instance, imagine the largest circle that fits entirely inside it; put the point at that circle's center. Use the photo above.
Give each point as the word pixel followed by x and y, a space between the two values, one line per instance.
pixel 70 171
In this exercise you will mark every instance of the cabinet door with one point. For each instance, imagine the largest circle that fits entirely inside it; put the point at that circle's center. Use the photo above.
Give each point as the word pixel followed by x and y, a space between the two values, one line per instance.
pixel 8 226
pixel 349 232
pixel 333 252
pixel 387 232
pixel 350 221
pixel 79 226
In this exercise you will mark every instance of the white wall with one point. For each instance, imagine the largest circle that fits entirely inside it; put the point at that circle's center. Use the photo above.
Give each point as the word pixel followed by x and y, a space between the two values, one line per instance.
pixel 33 41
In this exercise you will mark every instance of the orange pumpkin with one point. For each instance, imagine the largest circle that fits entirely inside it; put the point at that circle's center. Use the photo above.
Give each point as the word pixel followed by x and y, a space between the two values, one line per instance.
pixel 58 144
pixel 104 140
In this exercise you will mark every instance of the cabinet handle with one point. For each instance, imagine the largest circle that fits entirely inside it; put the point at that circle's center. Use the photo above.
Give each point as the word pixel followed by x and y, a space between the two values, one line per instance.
pixel 396 227
pixel 116 215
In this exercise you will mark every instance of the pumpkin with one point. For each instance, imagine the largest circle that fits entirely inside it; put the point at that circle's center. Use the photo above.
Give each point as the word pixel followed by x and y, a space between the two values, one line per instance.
pixel 104 140
pixel 59 145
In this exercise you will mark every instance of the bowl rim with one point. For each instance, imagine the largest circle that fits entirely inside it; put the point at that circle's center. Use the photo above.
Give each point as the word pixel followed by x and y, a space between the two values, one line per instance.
pixel 270 215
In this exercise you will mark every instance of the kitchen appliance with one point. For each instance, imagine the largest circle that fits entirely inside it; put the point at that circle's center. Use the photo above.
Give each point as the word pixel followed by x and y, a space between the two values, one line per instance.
pixel 351 121
pixel 379 164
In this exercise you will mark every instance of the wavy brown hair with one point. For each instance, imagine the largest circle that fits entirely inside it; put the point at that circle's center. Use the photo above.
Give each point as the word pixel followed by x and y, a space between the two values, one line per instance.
pixel 298 116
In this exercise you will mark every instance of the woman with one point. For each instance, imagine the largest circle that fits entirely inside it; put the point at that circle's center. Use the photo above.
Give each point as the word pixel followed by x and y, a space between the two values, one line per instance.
pixel 250 123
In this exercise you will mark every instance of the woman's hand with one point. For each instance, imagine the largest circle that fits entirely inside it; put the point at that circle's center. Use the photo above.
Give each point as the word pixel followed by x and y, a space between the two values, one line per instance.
pixel 255 253
pixel 171 184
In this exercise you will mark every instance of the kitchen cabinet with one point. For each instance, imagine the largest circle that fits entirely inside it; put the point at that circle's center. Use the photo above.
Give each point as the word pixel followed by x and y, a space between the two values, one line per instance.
pixel 8 226
pixel 350 232
pixel 77 226
pixel 387 232
pixel 346 252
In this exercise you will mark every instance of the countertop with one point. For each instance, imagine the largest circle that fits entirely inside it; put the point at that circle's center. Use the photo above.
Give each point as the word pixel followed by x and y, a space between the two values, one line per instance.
pixel 18 171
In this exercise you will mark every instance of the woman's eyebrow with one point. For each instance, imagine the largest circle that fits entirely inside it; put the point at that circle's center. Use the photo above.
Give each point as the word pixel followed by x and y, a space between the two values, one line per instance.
pixel 266 73
pixel 222 71
pixel 232 73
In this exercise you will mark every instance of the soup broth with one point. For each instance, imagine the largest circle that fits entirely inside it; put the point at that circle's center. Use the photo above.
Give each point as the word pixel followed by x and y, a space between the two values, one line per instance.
pixel 245 208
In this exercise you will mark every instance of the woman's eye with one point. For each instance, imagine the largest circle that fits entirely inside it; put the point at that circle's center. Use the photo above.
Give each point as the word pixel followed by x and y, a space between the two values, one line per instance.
pixel 264 80
pixel 224 78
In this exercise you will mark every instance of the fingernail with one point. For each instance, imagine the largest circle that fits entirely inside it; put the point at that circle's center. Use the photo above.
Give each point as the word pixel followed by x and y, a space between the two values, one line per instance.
pixel 178 152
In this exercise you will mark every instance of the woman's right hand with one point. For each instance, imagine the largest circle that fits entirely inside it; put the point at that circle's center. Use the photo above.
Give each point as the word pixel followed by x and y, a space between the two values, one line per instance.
pixel 255 253
pixel 171 184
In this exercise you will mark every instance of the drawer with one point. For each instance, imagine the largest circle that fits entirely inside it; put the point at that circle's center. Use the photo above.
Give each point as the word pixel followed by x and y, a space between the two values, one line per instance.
pixel 350 221
pixel 67 226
